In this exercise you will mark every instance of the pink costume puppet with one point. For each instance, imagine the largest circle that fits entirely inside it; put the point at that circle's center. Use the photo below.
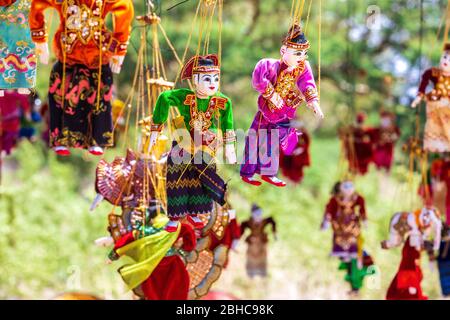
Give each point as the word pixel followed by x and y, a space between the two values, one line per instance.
pixel 283 86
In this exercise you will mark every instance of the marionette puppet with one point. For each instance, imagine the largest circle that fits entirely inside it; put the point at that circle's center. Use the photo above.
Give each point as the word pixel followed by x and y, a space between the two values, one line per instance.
pixel 81 81
pixel 205 125
pixel 292 165
pixel 17 50
pixel 358 145
pixel 414 230
pixel 257 242
pixel 157 272
pixel 385 137
pixel 12 106
pixel 437 130
pixel 346 213
pixel 283 86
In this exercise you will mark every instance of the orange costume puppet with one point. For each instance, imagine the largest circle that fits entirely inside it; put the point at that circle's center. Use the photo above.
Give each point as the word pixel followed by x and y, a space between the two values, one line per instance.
pixel 80 90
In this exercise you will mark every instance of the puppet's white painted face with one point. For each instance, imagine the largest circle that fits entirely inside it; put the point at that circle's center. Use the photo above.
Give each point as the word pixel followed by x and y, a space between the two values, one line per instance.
pixel 292 57
pixel 425 216
pixel 347 188
pixel 257 214
pixel 207 83
pixel 445 62
pixel 386 122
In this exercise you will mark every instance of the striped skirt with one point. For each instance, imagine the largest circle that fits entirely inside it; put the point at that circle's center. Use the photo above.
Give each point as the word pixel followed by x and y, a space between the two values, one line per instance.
pixel 192 184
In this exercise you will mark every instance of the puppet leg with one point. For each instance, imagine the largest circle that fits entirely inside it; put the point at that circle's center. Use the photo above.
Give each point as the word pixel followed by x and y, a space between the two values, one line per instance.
pixel 180 185
pixel 69 111
pixel 101 114
pixel 251 164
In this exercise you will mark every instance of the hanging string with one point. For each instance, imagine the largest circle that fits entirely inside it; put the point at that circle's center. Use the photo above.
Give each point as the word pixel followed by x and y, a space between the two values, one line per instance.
pixel 447 23
pixel 319 49
pixel 308 14
pixel 189 40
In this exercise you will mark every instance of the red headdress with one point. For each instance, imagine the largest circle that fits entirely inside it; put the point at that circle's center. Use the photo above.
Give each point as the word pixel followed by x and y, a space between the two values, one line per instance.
pixel 200 64
pixel 385 114
pixel 361 117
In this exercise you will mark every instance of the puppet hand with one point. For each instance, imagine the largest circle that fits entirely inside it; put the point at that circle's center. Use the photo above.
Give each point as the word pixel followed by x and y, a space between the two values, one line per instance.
pixel 104 242
pixel 153 138
pixel 384 245
pixel 42 52
pixel 315 107
pixel 432 266
pixel 325 225
pixel 436 245
pixel 108 261
pixel 277 100
pixel 365 223
pixel 234 244
pixel 416 102
pixel 24 91
pixel 116 63
pixel 412 290
pixel 230 153
pixel 178 244
pixel 298 151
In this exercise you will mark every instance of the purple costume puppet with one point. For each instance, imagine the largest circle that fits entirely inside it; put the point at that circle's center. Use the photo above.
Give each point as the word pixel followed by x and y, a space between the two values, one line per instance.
pixel 283 86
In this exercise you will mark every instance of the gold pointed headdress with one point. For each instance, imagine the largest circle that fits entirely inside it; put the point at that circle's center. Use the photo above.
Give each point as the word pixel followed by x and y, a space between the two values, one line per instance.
pixel 296 38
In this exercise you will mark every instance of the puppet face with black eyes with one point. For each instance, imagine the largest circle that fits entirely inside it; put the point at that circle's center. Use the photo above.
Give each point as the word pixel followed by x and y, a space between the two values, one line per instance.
pixel 207 84
pixel 292 57
pixel 445 62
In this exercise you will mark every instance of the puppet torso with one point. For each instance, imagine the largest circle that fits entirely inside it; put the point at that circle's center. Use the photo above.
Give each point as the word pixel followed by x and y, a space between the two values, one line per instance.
pixel 286 87
pixel 346 222
pixel 82 33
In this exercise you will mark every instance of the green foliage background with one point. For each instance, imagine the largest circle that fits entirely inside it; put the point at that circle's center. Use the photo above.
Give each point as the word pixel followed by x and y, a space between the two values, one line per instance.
pixel 47 232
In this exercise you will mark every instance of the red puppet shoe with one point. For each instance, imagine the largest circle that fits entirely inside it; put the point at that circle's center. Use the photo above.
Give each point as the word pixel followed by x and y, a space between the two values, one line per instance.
pixel 274 181
pixel 62 151
pixel 251 181
pixel 96 151
pixel 196 222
